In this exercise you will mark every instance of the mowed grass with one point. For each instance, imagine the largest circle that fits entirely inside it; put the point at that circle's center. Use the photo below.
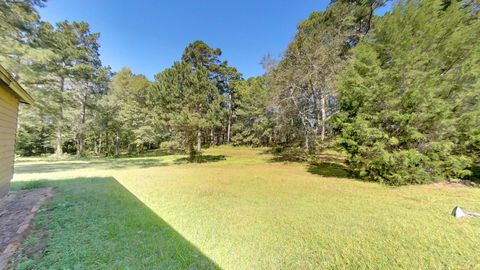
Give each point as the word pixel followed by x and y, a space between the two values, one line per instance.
pixel 242 211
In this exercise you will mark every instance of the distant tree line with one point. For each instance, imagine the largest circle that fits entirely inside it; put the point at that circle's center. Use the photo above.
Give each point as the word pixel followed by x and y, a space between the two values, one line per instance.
pixel 399 94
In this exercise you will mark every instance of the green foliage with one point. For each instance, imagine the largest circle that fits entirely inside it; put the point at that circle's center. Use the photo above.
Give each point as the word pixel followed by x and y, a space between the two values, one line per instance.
pixel 125 115
pixel 65 82
pixel 303 84
pixel 18 23
pixel 186 101
pixel 171 147
pixel 409 99
pixel 253 121
pixel 32 140
pixel 199 54
pixel 475 176
pixel 409 107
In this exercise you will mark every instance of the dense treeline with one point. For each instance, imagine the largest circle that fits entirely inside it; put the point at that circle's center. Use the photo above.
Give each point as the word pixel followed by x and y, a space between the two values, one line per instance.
pixel 410 97
pixel 399 94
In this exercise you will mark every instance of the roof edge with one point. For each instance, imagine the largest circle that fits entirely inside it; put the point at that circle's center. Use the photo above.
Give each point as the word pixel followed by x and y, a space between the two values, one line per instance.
pixel 18 90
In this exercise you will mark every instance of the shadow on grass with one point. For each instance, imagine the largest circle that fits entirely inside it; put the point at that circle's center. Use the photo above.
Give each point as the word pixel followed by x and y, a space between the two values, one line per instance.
pixel 293 154
pixel 325 165
pixel 327 169
pixel 203 159
pixel 59 166
pixel 286 158
pixel 97 223
pixel 113 163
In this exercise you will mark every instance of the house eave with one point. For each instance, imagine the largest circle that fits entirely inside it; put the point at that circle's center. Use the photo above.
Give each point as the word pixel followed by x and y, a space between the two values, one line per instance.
pixel 23 96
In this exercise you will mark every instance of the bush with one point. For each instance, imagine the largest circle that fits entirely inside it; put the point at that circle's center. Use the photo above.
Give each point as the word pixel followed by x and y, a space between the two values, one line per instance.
pixel 171 147
pixel 375 156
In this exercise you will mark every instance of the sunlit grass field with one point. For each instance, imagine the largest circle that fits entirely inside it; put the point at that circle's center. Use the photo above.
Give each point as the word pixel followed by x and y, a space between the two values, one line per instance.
pixel 241 210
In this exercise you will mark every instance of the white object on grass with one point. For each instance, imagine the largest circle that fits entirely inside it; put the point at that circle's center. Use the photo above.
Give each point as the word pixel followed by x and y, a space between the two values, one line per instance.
pixel 459 213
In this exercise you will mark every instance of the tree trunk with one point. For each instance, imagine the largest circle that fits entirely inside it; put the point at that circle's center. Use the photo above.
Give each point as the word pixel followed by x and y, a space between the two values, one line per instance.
pixel 229 129
pixel 59 142
pixel 307 143
pixel 229 122
pixel 306 139
pixel 117 144
pixel 212 137
pixel 77 143
pixel 199 141
pixel 107 144
pixel 192 152
pixel 81 135
pixel 324 116
pixel 81 143
pixel 305 124
pixel 95 147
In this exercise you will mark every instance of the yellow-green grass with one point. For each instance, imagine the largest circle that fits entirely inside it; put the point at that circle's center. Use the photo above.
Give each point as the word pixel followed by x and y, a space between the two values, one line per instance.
pixel 241 210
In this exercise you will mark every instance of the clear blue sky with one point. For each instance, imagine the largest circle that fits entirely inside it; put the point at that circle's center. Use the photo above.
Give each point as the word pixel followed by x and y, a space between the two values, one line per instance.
pixel 148 35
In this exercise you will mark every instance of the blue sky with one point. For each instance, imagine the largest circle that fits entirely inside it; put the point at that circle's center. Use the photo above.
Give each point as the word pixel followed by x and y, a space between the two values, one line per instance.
pixel 148 35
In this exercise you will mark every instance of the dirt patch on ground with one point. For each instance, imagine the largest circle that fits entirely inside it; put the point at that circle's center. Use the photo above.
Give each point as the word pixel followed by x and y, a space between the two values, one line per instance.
pixel 17 210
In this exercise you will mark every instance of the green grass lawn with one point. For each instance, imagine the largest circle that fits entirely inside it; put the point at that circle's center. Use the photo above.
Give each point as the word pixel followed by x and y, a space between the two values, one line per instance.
pixel 241 210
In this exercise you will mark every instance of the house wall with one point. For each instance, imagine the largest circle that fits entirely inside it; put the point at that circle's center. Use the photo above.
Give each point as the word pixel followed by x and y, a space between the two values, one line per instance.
pixel 8 125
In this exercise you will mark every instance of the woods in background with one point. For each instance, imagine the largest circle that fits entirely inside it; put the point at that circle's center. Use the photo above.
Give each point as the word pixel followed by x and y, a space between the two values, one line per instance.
pixel 399 94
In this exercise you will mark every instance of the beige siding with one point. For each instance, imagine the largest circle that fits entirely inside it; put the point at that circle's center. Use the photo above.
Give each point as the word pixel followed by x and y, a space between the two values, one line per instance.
pixel 8 126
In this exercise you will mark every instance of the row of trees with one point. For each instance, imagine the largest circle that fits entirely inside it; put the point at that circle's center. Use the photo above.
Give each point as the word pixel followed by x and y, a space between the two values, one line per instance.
pixel 60 65
pixel 398 93
pixel 83 108
pixel 304 84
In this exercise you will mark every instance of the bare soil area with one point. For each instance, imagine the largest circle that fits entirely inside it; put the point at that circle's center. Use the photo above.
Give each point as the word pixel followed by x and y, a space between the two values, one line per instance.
pixel 17 210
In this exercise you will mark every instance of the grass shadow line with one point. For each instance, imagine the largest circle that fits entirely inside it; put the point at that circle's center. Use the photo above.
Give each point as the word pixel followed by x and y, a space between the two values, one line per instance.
pixel 58 166
pixel 203 159
pixel 106 226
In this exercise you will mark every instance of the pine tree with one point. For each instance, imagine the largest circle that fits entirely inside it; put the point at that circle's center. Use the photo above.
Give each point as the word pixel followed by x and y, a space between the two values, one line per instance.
pixel 19 21
pixel 73 60
pixel 410 97
pixel 200 55
pixel 186 101
pixel 254 123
